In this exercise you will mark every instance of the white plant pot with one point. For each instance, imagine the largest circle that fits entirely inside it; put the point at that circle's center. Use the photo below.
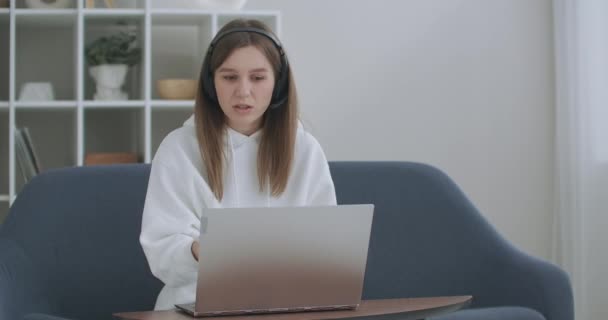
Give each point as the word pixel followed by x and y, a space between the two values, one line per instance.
pixel 109 78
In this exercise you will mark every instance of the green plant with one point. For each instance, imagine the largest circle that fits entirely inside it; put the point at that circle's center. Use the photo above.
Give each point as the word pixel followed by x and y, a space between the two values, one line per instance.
pixel 115 49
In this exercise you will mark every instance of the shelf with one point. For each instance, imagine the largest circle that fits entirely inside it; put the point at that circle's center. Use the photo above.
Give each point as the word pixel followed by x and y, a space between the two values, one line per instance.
pixel 57 43
pixel 49 46
pixel 45 18
pixel 119 5
pixel 45 12
pixel 191 33
pixel 181 17
pixel 53 133
pixel 4 152
pixel 105 13
pixel 22 5
pixel 197 11
pixel 172 104
pixel 113 104
pixel 103 25
pixel 4 58
pixel 114 130
pixel 106 18
pixel 164 121
pixel 63 104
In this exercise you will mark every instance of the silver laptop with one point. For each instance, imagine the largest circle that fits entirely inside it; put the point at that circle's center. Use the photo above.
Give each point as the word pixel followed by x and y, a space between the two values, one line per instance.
pixel 281 259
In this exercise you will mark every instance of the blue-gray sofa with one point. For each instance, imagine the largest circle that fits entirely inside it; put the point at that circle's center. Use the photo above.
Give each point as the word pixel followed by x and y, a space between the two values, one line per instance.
pixel 69 247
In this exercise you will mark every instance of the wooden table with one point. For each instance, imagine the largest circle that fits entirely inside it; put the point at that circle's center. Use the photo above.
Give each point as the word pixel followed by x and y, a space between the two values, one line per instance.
pixel 402 309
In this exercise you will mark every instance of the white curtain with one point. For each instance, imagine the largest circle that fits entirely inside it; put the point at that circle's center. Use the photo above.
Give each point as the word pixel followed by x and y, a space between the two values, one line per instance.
pixel 581 207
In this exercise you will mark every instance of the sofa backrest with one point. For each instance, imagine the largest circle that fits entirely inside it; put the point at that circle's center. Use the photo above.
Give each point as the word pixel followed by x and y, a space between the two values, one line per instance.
pixel 427 238
pixel 80 227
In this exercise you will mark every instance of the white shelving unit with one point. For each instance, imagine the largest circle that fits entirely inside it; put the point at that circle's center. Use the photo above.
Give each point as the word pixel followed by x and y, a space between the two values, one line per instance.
pixel 48 45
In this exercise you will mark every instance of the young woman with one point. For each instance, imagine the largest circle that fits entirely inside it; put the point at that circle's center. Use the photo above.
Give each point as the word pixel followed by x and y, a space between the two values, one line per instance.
pixel 243 147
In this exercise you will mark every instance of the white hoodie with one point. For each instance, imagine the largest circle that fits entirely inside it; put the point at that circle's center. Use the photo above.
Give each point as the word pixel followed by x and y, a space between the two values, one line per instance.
pixel 178 194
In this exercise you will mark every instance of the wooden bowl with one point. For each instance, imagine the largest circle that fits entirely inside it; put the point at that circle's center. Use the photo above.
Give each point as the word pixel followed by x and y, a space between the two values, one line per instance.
pixel 101 158
pixel 176 89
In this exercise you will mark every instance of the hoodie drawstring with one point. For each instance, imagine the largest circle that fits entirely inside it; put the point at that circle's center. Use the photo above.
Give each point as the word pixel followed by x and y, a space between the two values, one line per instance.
pixel 235 179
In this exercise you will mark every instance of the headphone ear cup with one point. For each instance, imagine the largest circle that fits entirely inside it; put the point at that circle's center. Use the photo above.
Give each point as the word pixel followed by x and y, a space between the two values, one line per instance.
pixel 281 88
pixel 209 87
pixel 207 78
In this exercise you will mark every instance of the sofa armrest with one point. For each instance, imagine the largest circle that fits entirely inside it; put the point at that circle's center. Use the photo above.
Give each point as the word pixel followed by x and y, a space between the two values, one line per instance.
pixel 20 291
pixel 527 281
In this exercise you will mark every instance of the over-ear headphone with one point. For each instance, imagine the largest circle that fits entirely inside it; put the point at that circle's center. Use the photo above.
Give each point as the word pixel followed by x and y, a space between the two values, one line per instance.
pixel 280 91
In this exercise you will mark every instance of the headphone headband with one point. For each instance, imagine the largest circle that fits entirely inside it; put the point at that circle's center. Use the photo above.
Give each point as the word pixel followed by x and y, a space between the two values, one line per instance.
pixel 268 35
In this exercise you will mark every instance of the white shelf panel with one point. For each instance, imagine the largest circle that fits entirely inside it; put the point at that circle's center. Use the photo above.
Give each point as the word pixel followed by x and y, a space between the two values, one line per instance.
pixel 181 12
pixel 249 13
pixel 43 12
pixel 4 197
pixel 212 12
pixel 103 16
pixel 3 105
pixel 37 18
pixel 113 12
pixel 182 17
pixel 168 104
pixel 105 21
pixel 193 16
pixel 57 104
pixel 113 104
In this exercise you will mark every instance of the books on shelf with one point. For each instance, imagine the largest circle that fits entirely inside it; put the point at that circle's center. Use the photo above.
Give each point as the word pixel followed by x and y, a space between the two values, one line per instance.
pixel 26 154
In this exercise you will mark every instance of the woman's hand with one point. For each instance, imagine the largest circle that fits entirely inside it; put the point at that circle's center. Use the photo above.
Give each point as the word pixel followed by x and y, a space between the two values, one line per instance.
pixel 194 248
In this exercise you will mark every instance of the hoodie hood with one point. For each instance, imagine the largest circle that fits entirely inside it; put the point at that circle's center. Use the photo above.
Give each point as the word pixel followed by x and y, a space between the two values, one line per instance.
pixel 235 139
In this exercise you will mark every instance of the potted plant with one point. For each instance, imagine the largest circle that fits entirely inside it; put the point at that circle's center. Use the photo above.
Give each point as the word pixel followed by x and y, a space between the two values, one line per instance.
pixel 109 58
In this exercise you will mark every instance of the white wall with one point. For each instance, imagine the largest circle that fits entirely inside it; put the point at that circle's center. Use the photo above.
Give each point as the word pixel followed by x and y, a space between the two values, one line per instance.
pixel 465 85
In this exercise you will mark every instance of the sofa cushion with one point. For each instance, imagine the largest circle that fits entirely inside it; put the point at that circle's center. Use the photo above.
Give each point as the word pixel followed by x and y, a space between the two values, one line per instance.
pixel 496 313
pixel 42 316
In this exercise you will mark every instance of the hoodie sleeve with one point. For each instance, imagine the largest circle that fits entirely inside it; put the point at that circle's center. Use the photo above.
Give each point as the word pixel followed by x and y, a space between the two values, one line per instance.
pixel 169 225
pixel 321 192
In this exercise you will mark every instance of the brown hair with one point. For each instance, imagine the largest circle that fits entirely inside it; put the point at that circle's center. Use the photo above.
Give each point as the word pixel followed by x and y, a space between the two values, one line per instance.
pixel 279 125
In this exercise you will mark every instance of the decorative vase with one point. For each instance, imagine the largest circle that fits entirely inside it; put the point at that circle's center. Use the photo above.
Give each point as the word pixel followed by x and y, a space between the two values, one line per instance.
pixel 37 91
pixel 109 79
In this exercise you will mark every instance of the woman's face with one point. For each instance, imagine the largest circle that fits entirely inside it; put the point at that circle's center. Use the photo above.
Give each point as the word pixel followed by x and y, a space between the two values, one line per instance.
pixel 244 84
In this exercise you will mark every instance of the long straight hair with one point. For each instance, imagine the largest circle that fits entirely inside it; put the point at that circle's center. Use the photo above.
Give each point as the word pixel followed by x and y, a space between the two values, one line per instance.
pixel 279 125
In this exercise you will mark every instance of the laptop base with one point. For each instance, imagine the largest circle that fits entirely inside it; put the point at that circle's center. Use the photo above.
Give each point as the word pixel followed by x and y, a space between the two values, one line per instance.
pixel 189 309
